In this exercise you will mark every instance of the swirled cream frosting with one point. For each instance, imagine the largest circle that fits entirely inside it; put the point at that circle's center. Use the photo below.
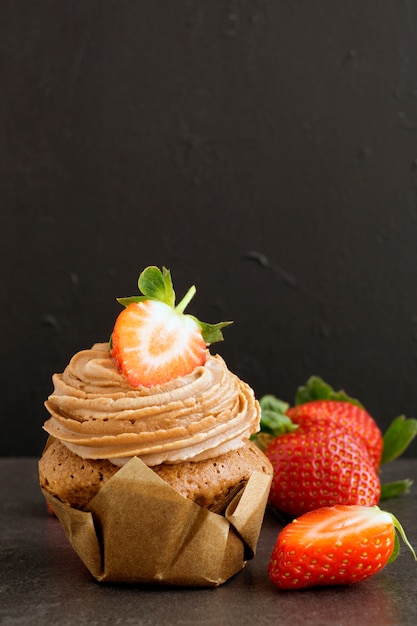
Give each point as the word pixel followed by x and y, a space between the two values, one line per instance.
pixel 97 414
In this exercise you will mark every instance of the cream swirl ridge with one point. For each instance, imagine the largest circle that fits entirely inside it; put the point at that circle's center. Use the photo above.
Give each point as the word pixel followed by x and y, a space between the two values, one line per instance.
pixel 97 414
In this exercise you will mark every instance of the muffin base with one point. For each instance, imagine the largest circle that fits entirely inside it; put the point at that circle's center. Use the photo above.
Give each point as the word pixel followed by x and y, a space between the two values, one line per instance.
pixel 211 484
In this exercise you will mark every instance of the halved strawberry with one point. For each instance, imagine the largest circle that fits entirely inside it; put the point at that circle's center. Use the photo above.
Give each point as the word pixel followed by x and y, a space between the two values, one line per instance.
pixel 336 545
pixel 153 341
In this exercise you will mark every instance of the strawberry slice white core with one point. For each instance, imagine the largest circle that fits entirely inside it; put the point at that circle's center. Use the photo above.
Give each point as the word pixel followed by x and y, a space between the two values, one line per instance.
pixel 344 522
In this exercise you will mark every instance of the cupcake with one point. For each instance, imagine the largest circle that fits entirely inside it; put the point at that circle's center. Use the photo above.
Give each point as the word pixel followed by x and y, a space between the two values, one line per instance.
pixel 149 464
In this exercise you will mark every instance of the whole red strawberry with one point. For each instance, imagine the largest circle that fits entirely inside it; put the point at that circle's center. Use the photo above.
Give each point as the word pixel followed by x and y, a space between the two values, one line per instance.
pixel 334 546
pixel 317 402
pixel 320 464
pixel 346 414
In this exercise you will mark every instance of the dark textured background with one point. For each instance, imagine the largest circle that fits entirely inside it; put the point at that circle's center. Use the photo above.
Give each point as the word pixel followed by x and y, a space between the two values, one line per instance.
pixel 265 151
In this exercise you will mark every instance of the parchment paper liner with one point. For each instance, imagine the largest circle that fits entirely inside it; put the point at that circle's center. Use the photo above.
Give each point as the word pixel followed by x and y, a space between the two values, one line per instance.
pixel 138 529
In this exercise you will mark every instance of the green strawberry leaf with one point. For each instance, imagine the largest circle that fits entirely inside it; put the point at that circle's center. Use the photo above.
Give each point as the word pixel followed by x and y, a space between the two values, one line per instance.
pixel 154 285
pixel 398 437
pixel 273 416
pixel 399 530
pixel 274 421
pixel 395 551
pixel 316 389
pixel 157 284
pixel 211 332
pixel 395 489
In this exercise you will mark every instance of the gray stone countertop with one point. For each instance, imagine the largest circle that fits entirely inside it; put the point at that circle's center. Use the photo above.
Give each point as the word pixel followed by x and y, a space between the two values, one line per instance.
pixel 42 580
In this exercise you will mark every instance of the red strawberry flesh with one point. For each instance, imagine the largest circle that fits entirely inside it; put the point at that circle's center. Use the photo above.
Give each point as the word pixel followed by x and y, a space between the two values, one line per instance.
pixel 332 546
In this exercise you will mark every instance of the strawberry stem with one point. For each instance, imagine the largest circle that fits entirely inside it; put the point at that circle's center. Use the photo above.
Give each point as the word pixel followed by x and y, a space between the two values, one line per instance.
pixel 181 306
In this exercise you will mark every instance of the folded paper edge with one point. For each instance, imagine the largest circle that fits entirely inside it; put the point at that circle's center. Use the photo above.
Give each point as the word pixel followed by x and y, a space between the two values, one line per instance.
pixel 246 512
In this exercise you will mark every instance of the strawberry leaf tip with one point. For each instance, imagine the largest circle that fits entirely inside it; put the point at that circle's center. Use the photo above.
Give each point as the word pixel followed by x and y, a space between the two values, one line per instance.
pixel 156 284
pixel 397 437
pixel 400 530
pixel 395 488
pixel 211 332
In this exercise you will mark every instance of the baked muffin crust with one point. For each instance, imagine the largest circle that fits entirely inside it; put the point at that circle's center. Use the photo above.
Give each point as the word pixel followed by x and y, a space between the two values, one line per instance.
pixel 211 483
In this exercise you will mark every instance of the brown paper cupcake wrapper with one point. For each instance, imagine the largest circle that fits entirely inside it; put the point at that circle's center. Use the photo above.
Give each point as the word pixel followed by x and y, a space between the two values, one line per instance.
pixel 138 529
